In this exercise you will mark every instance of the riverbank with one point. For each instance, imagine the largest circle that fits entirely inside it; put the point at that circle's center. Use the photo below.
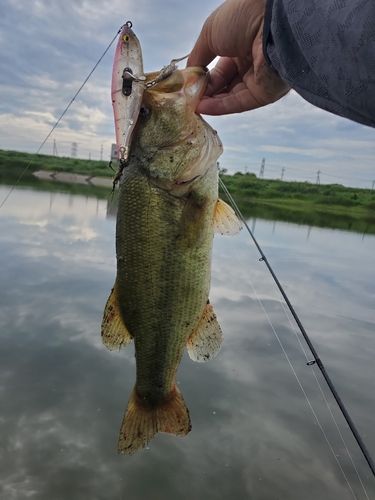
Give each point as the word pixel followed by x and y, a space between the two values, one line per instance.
pixel 331 198
pixel 15 160
pixel 246 188
pixel 73 178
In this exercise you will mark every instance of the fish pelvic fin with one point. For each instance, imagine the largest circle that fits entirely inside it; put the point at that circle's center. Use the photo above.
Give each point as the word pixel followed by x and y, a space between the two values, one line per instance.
pixel 143 420
pixel 115 335
pixel 226 221
pixel 206 341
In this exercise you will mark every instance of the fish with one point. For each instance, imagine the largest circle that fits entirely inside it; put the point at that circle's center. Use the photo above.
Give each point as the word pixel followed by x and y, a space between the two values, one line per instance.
pixel 168 212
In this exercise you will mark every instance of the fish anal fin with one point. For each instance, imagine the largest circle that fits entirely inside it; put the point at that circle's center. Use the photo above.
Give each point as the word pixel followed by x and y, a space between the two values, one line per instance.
pixel 226 221
pixel 143 420
pixel 114 333
pixel 206 341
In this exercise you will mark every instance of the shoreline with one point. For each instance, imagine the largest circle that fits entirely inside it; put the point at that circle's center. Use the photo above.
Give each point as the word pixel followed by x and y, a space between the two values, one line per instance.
pixel 73 178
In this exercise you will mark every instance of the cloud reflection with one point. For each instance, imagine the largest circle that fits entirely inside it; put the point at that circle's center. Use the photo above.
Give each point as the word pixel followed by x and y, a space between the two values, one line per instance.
pixel 63 395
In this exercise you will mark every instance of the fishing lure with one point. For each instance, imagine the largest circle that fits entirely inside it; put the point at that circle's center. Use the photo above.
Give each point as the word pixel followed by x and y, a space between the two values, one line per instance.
pixel 128 85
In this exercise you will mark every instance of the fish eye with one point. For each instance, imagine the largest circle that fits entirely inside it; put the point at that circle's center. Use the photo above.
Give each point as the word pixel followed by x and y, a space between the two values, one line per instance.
pixel 144 111
pixel 125 38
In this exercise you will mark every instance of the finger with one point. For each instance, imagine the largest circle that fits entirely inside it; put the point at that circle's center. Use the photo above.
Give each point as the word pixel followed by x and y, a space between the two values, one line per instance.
pixel 236 81
pixel 225 104
pixel 221 75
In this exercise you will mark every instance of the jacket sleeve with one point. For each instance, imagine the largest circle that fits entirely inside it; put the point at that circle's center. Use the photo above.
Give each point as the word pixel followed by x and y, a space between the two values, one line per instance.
pixel 325 50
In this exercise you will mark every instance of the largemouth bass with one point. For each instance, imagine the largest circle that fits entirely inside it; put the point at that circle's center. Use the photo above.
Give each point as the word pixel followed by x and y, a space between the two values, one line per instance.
pixel 167 213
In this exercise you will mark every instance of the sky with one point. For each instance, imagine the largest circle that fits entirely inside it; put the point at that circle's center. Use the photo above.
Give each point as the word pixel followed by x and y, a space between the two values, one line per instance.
pixel 49 47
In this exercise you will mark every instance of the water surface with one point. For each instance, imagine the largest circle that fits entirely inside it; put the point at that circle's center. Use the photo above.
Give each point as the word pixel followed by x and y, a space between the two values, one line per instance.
pixel 254 436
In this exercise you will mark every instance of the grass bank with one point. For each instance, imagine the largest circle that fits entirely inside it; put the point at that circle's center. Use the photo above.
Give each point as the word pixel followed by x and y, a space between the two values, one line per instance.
pixel 300 195
pixel 246 188
pixel 16 162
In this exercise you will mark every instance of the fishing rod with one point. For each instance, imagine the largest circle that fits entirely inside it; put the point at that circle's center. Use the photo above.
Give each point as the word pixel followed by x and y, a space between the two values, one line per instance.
pixel 316 359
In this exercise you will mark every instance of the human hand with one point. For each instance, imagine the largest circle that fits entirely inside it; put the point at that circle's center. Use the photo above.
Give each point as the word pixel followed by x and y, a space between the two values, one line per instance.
pixel 242 79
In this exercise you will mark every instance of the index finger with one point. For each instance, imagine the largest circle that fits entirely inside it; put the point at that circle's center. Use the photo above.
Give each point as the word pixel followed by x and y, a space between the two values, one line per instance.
pixel 240 99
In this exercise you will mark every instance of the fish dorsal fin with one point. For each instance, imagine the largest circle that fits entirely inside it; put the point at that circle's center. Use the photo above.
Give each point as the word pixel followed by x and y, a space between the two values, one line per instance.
pixel 114 333
pixel 225 220
pixel 205 342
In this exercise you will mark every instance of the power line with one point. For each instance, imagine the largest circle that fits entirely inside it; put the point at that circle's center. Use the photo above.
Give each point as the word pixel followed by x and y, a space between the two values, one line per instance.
pixel 303 171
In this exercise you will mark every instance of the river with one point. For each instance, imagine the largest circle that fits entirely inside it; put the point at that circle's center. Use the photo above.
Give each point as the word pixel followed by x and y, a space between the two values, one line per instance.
pixel 254 435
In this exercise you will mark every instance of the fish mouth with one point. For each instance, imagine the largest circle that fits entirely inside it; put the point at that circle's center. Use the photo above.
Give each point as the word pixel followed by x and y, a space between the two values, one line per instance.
pixel 196 80
pixel 186 182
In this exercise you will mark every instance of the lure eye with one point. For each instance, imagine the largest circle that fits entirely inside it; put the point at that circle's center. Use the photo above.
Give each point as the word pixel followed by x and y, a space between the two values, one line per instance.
pixel 126 38
pixel 144 111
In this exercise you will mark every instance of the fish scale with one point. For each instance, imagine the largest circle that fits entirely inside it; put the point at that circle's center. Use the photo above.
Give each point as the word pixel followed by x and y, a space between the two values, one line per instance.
pixel 165 283
pixel 167 214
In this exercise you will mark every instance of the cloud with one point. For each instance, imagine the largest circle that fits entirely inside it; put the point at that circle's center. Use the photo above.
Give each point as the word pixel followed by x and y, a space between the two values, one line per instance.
pixel 63 395
pixel 49 56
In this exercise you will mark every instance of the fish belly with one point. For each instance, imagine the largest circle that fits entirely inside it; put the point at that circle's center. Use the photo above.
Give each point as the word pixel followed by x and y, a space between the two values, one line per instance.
pixel 163 246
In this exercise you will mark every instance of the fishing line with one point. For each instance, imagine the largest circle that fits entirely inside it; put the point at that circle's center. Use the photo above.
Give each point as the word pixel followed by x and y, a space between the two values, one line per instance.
pixel 298 380
pixel 58 121
pixel 324 397
pixel 322 392
pixel 316 359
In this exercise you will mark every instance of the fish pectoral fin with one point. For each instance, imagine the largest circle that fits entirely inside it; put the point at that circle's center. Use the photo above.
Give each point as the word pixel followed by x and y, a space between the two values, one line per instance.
pixel 115 335
pixel 206 341
pixel 225 219
pixel 143 420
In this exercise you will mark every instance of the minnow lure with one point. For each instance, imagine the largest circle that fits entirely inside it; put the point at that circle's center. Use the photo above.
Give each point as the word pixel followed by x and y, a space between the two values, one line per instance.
pixel 128 85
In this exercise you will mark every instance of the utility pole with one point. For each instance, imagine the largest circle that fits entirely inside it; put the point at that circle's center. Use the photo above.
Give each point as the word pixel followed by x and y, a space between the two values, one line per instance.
pixel 101 153
pixel 318 177
pixel 282 173
pixel 261 173
pixel 55 153
pixel 373 183
pixel 73 153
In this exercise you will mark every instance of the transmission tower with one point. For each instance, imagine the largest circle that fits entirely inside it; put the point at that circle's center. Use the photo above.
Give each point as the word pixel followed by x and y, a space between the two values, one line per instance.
pixel 55 153
pixel 101 153
pixel 282 173
pixel 73 153
pixel 373 184
pixel 261 173
pixel 318 177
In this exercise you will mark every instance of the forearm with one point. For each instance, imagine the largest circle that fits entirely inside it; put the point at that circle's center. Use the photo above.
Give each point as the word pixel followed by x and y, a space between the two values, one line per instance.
pixel 325 52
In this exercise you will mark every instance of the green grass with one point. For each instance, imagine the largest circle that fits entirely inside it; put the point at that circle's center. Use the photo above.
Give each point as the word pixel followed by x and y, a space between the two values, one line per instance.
pixel 300 195
pixel 17 162
pixel 247 188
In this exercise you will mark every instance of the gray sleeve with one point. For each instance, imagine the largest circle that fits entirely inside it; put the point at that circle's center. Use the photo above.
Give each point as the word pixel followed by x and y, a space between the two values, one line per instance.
pixel 325 50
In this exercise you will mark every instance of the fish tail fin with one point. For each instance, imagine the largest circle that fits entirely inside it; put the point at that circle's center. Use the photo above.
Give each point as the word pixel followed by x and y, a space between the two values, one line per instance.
pixel 143 420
